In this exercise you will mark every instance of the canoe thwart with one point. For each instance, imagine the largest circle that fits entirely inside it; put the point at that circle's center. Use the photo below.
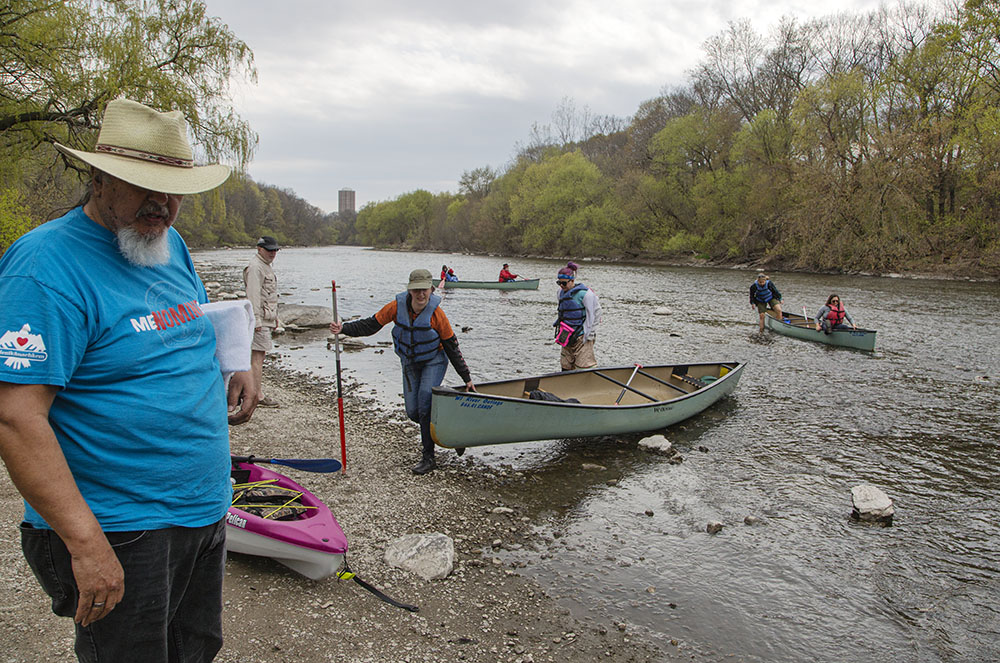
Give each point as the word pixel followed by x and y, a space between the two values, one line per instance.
pixel 626 386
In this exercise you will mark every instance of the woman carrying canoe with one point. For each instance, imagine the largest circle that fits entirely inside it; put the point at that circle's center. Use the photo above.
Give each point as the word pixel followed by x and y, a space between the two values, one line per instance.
pixel 832 316
pixel 423 338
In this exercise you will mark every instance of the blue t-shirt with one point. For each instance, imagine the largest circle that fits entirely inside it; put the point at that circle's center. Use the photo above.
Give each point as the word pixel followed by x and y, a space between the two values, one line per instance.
pixel 141 410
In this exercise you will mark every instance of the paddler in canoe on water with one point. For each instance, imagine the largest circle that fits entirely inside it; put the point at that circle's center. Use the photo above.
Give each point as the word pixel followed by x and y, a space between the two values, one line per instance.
pixel 425 342
pixel 832 315
pixel 506 274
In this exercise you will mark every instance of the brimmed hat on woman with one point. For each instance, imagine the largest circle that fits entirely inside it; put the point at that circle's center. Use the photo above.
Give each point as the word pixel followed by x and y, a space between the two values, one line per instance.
pixel 420 279
pixel 149 149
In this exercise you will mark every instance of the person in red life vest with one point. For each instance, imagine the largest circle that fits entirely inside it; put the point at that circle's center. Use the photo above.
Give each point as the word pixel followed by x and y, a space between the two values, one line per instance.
pixel 764 295
pixel 506 275
pixel 832 316
pixel 424 340
pixel 444 272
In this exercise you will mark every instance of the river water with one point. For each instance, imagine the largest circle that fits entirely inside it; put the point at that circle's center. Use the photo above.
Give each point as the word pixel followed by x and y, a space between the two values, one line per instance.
pixel 917 418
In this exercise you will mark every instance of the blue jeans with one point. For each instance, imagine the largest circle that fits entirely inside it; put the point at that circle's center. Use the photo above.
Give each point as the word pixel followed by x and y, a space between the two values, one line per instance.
pixel 172 608
pixel 418 379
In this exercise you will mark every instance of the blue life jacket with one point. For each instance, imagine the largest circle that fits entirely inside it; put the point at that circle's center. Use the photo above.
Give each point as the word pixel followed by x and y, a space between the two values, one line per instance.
pixel 571 308
pixel 415 341
pixel 450 277
pixel 763 292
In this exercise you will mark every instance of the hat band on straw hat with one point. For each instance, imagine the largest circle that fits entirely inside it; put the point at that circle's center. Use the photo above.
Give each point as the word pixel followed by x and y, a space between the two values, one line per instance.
pixel 146 156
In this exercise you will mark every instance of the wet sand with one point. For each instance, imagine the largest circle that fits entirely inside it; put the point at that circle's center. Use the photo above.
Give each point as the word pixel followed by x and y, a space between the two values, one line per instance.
pixel 484 611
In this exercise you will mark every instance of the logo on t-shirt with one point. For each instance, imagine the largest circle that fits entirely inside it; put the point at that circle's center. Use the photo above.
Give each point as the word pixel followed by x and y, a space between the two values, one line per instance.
pixel 20 348
pixel 174 314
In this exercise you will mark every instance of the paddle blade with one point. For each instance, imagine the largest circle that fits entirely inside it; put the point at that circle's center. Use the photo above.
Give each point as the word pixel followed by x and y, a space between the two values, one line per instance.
pixel 310 464
pixel 304 464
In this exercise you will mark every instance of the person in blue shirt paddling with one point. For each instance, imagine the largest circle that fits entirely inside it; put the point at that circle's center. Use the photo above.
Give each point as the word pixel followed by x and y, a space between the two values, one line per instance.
pixel 764 295
pixel 113 409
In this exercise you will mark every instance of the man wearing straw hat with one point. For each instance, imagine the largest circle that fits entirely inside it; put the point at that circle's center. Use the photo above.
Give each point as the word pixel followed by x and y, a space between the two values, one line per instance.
pixel 113 413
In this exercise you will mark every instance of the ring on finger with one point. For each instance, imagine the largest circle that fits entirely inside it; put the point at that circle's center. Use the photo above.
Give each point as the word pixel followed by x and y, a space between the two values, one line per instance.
pixel 97 604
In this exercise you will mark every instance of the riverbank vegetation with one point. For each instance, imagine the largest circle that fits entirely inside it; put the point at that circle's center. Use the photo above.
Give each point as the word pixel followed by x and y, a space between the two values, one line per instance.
pixel 858 142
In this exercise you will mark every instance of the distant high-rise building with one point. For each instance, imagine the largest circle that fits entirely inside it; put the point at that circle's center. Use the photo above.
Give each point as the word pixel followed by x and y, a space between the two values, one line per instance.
pixel 345 201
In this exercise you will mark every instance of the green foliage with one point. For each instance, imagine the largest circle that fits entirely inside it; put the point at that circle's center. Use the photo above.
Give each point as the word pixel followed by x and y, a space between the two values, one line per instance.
pixel 404 221
pixel 63 61
pixel 14 219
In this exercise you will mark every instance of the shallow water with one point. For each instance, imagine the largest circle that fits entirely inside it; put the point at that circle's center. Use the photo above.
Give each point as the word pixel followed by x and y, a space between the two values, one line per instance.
pixel 918 418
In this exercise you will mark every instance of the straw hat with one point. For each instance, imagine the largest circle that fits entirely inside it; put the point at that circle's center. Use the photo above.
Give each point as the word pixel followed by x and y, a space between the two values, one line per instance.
pixel 148 149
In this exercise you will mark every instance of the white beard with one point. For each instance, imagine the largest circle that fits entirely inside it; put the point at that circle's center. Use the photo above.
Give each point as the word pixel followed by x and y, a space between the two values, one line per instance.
pixel 142 250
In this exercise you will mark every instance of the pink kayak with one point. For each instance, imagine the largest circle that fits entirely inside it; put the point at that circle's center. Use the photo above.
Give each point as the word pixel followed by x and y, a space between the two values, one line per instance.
pixel 273 516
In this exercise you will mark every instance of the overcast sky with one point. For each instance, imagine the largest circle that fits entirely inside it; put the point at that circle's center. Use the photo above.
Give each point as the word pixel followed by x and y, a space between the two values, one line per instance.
pixel 389 97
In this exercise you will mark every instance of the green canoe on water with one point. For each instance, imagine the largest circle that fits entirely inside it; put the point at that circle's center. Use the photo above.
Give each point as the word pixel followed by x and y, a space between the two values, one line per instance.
pixel 527 284
pixel 799 326
pixel 655 397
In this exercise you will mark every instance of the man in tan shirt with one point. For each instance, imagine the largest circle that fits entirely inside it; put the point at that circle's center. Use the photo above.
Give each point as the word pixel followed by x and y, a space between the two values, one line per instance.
pixel 262 291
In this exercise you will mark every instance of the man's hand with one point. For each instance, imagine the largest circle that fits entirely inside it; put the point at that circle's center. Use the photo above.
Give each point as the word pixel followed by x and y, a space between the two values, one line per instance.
pixel 100 580
pixel 39 470
pixel 242 397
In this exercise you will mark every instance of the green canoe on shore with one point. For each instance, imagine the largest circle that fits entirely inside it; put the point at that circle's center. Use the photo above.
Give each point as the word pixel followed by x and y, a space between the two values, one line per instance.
pixel 801 327
pixel 527 284
pixel 519 410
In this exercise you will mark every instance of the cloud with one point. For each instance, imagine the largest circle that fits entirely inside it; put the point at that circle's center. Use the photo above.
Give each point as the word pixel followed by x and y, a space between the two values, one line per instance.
pixel 389 97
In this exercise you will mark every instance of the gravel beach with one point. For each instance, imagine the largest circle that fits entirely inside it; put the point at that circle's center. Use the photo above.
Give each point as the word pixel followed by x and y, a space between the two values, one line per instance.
pixel 484 611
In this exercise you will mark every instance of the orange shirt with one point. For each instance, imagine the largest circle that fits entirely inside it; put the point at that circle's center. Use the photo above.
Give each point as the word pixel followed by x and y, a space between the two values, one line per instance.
pixel 439 321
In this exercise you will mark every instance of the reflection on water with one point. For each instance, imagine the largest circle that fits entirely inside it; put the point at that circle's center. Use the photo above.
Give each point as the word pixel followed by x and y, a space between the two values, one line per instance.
pixel 917 418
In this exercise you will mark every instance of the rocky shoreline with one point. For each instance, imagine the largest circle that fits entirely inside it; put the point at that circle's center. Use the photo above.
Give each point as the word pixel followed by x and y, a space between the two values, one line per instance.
pixel 485 610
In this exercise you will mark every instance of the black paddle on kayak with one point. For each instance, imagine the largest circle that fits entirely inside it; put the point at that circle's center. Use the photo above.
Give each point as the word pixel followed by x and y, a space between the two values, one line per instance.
pixel 304 464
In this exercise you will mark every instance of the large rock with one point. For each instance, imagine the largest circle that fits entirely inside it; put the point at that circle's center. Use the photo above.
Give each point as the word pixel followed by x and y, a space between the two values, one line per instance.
pixel 430 556
pixel 657 444
pixel 300 315
pixel 871 504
